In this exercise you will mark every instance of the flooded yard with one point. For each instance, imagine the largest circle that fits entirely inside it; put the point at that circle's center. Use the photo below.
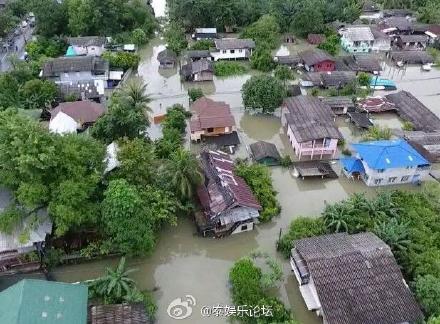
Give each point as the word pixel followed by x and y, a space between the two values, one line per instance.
pixel 184 263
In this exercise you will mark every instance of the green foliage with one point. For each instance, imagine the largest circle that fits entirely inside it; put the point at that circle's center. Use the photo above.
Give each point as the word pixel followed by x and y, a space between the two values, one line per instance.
pixel 315 92
pixel 301 227
pixel 38 94
pixel 175 37
pixel 247 289
pixel 122 60
pixel 364 79
pixel 283 73
pixel 261 59
pixel 427 290
pixel 286 161
pixel 263 93
pixel 10 218
pixel 203 44
pixel 407 126
pixel 195 93
pixel 131 216
pixel 45 47
pixel 430 12
pixel 346 152
pixel 139 37
pixel 265 32
pixel 376 133
pixel 331 44
pixel 258 178
pixel 229 68
pixel 308 19
pixel 53 257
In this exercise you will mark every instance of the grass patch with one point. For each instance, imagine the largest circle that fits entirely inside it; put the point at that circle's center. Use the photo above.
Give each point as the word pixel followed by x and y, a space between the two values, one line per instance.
pixel 226 68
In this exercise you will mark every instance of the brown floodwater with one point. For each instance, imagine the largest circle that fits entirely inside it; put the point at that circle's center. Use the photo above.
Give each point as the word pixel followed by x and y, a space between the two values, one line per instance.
pixel 186 264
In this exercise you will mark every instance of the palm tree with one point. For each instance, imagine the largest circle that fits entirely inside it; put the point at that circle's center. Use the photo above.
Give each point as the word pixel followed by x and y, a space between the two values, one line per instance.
pixel 184 172
pixel 134 94
pixel 115 285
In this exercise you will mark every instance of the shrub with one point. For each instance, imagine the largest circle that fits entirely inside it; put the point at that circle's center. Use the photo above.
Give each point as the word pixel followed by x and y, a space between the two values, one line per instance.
pixel 263 92
pixel 204 44
pixel 262 60
pixel 376 133
pixel 331 44
pixel 258 179
pixel 225 68
pixel 286 161
pixel 301 227
pixel 315 92
pixel 364 79
pixel 195 93
pixel 407 126
pixel 428 293
pixel 122 60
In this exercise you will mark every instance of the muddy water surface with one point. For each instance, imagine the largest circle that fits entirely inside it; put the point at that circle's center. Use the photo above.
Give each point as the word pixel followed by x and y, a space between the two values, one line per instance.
pixel 184 263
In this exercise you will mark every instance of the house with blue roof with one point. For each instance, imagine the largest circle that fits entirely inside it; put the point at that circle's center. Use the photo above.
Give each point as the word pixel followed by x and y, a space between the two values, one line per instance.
pixel 386 162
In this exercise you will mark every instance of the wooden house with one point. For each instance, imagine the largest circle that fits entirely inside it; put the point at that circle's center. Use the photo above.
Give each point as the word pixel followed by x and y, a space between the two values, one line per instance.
pixel 411 42
pixel 232 49
pixel 317 60
pixel 210 118
pixel 201 70
pixel 167 59
pixel 340 105
pixel 193 56
pixel 228 204
pixel 310 126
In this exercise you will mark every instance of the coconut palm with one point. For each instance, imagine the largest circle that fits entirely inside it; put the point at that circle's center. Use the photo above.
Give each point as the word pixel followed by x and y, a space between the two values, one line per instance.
pixel 115 285
pixel 184 172
pixel 134 94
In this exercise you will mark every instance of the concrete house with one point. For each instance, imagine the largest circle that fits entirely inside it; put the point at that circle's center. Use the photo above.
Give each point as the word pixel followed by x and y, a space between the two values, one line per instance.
pixel 210 118
pixel 73 69
pixel 352 279
pixel 317 60
pixel 89 45
pixel 357 39
pixel 232 49
pixel 229 206
pixel 70 117
pixel 386 162
pixel 382 42
pixel 309 124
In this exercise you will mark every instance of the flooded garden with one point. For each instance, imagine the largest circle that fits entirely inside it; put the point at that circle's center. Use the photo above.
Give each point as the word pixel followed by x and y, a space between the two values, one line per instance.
pixel 184 263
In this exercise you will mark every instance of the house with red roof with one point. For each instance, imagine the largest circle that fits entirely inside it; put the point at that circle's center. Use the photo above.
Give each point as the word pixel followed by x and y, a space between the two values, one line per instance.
pixel 228 204
pixel 210 118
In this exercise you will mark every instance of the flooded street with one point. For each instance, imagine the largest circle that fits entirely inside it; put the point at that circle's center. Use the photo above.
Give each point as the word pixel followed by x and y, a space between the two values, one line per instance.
pixel 184 263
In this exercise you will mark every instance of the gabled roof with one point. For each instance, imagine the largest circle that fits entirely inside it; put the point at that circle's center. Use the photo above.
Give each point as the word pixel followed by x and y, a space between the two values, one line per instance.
pixel 363 63
pixel 262 149
pixel 234 43
pixel 357 34
pixel 86 41
pixel 413 38
pixel 224 190
pixel 401 23
pixel 412 57
pixel 357 280
pixel 310 119
pixel 166 56
pixel 39 301
pixel 198 54
pixel 59 65
pixel 81 111
pixel 315 56
pixel 208 113
pixel 337 78
pixel 387 154
pixel 338 101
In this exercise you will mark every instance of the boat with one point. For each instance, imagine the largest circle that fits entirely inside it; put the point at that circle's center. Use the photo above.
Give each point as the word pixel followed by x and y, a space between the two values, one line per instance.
pixel 427 67
pixel 382 84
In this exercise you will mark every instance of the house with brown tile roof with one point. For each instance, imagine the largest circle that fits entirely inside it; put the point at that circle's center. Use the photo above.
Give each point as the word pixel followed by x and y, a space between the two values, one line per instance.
pixel 352 279
pixel 69 117
pixel 210 118
pixel 310 126
pixel 228 204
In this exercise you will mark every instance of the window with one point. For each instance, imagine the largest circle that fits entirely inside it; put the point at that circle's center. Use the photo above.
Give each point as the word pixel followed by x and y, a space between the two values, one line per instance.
pixel 224 51
pixel 232 51
pixel 381 171
pixel 404 179
pixel 327 142
pixel 210 130
pixel 240 51
pixel 244 228
pixel 378 181
pixel 392 179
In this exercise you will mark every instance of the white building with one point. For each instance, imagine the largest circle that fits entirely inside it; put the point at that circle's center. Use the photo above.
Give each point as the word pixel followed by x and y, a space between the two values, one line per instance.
pixel 233 49
pixel 387 162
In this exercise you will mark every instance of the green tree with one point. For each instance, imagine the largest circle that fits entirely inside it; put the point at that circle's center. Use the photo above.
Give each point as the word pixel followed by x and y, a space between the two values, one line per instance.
pixel 263 93
pixel 283 73
pixel 428 293
pixel 195 93
pixel 175 38
pixel 265 32
pixel 203 44
pixel 331 44
pixel 184 173
pixel 115 286
pixel 139 37
pixel 39 94
pixel 81 17
pixel 430 13
pixel 394 234
pixel 364 79
pixel 122 60
pixel 261 59
pixel 51 17
pixel 134 94
pixel 309 18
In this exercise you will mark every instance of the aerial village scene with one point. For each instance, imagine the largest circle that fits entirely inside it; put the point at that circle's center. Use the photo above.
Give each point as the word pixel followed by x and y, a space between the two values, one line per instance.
pixel 219 161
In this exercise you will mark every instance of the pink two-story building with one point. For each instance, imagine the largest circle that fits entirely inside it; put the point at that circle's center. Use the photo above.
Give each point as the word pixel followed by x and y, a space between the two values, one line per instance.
pixel 309 124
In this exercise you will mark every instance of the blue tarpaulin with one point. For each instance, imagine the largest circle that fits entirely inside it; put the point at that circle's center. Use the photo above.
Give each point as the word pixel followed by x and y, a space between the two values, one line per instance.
pixel 70 51
pixel 352 165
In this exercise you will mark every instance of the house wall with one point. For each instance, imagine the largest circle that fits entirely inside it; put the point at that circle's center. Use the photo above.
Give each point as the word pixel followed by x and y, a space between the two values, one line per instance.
pixel 324 66
pixel 232 54
pixel 78 76
pixel 244 228
pixel 411 46
pixel 196 136
pixel 167 65
pixel 356 47
pixel 402 175
pixel 313 149
pixel 203 76
pixel 381 45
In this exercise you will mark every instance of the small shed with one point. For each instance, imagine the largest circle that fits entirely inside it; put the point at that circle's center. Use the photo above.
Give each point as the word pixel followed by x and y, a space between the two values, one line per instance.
pixel 340 105
pixel 309 169
pixel 360 119
pixel 201 70
pixel 225 142
pixel 167 59
pixel 265 153
pixel 289 60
